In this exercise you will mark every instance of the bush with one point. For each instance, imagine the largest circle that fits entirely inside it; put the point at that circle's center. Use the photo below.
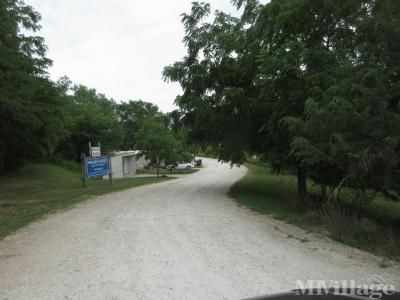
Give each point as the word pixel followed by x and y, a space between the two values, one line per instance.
pixel 209 152
pixel 356 198
pixel 384 210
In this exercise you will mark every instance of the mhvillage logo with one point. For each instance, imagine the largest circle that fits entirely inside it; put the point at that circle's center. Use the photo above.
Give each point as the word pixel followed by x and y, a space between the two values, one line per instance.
pixel 372 286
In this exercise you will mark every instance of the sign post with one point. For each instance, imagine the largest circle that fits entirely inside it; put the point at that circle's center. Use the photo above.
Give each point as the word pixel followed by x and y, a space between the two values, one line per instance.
pixel 110 175
pixel 84 175
pixel 96 166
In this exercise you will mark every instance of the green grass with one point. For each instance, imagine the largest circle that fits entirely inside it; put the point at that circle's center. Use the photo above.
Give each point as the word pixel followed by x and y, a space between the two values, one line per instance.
pixel 36 190
pixel 276 195
pixel 266 193
pixel 167 172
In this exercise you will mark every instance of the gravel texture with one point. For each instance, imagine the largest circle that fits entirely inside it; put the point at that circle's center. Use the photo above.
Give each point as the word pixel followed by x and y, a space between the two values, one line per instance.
pixel 182 239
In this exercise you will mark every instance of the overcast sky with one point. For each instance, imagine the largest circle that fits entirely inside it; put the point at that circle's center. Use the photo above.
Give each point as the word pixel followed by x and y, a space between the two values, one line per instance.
pixel 117 47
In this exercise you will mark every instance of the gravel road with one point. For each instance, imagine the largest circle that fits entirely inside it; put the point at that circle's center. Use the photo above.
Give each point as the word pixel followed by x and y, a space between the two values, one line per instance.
pixel 183 239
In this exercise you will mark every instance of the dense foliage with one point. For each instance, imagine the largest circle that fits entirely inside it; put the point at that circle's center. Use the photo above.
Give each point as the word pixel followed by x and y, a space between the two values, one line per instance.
pixel 42 120
pixel 311 86
pixel 89 116
pixel 31 114
pixel 157 143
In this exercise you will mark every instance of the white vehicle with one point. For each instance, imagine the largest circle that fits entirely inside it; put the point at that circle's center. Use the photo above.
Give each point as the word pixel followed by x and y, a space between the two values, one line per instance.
pixel 181 166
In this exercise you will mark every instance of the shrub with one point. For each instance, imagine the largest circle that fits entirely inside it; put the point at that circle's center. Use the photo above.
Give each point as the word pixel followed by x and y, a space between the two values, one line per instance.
pixel 384 210
pixel 209 152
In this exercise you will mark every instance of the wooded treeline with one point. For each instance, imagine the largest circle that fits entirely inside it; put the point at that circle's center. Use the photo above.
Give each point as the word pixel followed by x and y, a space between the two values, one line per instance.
pixel 312 87
pixel 42 120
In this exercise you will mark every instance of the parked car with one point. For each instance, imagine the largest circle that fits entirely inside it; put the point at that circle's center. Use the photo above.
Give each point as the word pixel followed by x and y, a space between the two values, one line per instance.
pixel 180 166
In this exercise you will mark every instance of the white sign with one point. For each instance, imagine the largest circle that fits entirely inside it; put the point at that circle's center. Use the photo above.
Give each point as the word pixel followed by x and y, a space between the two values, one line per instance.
pixel 95 152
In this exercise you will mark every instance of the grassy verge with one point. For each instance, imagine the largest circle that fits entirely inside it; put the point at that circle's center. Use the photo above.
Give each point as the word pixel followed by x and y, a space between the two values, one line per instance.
pixel 36 190
pixel 167 172
pixel 270 194
pixel 276 195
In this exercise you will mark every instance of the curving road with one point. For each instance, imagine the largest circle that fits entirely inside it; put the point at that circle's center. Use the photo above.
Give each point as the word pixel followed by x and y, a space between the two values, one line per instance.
pixel 183 239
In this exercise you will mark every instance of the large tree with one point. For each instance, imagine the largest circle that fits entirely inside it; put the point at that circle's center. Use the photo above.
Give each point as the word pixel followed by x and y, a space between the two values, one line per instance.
pixel 349 131
pixel 132 114
pixel 313 86
pixel 217 78
pixel 156 141
pixel 31 112
pixel 91 117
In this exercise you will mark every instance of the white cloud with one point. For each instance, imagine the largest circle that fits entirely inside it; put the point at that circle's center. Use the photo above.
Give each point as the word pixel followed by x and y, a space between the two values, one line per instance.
pixel 118 47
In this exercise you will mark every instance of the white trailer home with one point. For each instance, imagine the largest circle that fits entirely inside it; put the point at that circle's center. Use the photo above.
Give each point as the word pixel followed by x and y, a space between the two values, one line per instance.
pixel 126 163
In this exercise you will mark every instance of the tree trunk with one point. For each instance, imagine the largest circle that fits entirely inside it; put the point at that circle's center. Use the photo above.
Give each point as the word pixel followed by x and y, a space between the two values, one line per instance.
pixel 158 166
pixel 301 183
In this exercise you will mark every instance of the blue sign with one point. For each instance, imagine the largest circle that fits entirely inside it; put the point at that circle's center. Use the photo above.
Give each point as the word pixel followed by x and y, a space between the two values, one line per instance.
pixel 97 166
